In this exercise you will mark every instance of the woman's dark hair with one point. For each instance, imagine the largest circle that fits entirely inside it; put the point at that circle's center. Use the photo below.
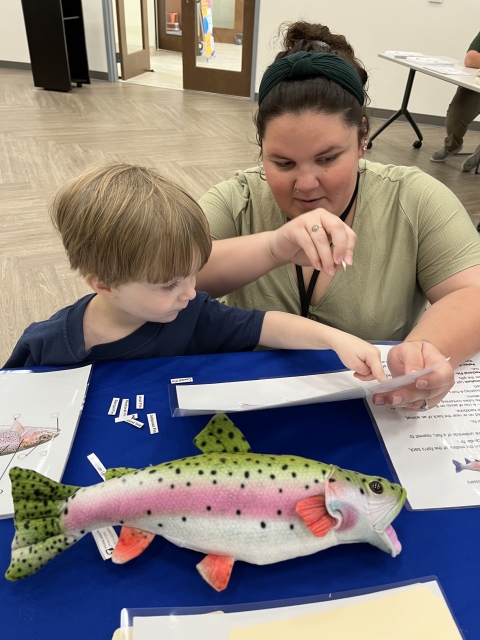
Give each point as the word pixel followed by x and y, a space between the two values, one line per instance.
pixel 317 94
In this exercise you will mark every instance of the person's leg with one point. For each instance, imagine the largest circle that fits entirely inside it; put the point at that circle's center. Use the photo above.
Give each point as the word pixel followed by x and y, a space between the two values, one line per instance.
pixel 463 109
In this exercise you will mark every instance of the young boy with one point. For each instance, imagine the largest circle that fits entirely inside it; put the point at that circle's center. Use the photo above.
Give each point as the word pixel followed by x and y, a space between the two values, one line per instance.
pixel 138 240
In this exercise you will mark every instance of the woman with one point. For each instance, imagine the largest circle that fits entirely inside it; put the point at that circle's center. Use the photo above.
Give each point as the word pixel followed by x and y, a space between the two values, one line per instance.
pixel 415 242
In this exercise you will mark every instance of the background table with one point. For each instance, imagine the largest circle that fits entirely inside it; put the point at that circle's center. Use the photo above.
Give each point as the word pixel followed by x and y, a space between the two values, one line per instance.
pixel 79 596
pixel 461 81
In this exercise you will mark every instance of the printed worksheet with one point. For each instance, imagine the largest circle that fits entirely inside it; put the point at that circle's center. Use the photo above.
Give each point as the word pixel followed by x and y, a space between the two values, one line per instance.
pixel 436 454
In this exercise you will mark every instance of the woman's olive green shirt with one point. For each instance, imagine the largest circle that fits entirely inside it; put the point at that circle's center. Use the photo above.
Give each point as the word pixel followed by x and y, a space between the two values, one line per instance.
pixel 413 233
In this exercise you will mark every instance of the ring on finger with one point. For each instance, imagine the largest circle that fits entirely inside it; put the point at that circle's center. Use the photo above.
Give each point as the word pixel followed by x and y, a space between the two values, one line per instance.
pixel 316 227
pixel 424 406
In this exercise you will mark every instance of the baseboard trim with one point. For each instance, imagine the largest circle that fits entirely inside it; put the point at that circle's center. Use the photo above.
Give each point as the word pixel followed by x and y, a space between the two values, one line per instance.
pixel 26 66
pixel 421 118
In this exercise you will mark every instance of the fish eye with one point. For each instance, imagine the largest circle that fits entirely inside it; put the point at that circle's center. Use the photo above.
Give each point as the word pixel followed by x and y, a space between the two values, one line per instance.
pixel 376 486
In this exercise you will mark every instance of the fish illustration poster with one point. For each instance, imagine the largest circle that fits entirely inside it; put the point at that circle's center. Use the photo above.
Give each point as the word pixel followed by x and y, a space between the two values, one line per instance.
pixel 39 414
pixel 436 454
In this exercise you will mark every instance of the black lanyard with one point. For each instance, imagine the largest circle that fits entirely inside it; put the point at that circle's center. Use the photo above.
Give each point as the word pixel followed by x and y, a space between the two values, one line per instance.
pixel 306 296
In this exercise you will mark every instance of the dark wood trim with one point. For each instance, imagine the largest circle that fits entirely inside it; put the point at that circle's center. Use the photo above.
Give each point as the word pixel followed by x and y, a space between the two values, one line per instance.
pixel 166 40
pixel 132 64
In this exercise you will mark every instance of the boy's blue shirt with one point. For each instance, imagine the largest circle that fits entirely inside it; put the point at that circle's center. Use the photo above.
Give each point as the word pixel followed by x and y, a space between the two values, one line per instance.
pixel 204 326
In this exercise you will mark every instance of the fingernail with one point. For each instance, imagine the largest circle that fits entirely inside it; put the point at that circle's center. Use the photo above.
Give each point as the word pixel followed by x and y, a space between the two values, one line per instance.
pixel 331 271
pixel 349 260
pixel 396 400
pixel 421 384
pixel 339 260
pixel 379 401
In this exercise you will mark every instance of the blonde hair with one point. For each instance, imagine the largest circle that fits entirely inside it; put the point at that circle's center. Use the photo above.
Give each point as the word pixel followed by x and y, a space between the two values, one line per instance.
pixel 124 223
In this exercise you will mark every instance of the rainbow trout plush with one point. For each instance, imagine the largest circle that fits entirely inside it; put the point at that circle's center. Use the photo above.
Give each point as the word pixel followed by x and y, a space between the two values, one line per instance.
pixel 227 503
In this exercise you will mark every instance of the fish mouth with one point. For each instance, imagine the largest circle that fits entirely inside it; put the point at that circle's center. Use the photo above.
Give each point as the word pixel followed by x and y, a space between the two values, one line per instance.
pixel 386 532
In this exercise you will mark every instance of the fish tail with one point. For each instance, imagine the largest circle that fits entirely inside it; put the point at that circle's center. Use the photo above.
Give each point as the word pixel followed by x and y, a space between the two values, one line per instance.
pixel 39 533
pixel 458 466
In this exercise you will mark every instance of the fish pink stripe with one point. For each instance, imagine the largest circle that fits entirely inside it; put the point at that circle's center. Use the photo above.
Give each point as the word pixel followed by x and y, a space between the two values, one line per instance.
pixel 253 501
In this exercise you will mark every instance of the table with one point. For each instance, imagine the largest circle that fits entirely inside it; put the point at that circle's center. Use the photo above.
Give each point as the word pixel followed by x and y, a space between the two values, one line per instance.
pixel 78 595
pixel 461 81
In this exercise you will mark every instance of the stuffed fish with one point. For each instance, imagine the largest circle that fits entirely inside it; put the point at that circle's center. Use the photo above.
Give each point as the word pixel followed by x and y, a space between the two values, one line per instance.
pixel 16 437
pixel 470 465
pixel 227 503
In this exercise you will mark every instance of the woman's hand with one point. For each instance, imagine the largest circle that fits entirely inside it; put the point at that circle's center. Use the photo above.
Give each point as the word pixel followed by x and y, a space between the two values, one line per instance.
pixel 323 249
pixel 413 356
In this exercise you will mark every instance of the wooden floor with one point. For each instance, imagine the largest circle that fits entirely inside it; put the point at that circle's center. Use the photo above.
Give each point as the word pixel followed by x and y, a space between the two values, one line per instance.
pixel 195 139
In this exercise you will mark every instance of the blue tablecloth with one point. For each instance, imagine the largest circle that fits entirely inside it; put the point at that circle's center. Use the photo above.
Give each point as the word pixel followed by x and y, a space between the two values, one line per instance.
pixel 78 595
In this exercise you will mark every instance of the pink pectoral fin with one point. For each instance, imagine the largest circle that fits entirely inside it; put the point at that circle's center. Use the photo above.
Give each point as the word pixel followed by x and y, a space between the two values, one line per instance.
pixel 216 570
pixel 130 544
pixel 315 515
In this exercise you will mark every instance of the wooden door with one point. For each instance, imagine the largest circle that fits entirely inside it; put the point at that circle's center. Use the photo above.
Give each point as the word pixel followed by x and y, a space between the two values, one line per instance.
pixel 201 77
pixel 134 56
pixel 169 25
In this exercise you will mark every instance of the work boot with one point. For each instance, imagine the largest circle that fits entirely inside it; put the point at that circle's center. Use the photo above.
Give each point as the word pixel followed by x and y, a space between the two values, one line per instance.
pixel 442 154
pixel 472 161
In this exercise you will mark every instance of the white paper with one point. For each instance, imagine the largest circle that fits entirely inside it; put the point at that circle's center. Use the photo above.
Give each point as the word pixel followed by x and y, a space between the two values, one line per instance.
pixel 423 61
pixel 447 71
pixel 47 403
pixel 218 627
pixel 404 54
pixel 251 395
pixel 422 446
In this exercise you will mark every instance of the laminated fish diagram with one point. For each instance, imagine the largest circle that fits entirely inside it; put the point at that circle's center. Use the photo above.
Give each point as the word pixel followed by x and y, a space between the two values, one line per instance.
pixel 39 415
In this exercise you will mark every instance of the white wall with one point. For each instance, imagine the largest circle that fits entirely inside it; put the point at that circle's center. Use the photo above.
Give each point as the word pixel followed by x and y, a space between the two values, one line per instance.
pixel 13 39
pixel 372 27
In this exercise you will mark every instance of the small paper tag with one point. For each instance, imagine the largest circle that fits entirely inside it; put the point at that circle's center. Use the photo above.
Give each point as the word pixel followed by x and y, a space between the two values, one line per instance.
pixel 152 422
pixel 124 407
pixel 113 407
pixel 135 423
pixel 179 380
pixel 100 469
pixel 131 416
pixel 140 402
pixel 106 540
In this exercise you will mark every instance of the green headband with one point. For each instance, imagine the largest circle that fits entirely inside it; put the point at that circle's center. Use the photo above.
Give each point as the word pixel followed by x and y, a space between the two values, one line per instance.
pixel 303 64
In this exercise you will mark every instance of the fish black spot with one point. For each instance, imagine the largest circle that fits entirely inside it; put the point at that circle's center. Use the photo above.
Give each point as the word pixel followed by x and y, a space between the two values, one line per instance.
pixel 292 526
pixel 36 492
pixel 200 473
pixel 121 521
pixel 203 443
pixel 65 511
pixel 184 519
pixel 188 464
pixel 242 486
pixel 307 465
pixel 214 420
pixel 272 476
pixel 219 430
pixel 331 479
pixel 235 462
pixel 257 461
pixel 247 474
pixel 307 486
pixel 160 525
pixel 218 442
pixel 316 480
pixel 285 466
pixel 160 480
pixel 140 483
pixel 172 486
pixel 259 471
pixel 178 471
pixel 362 492
pixel 324 472
pixel 213 472
pixel 294 475
pixel 27 525
pixel 188 484
pixel 230 473
pixel 364 479
pixel 248 459
pixel 279 513
pixel 153 471
pixel 222 460
pixel 214 482
pixel 347 479
pixel 82 531
pixel 209 508
pixel 248 450
pixel 235 449
pixel 230 435
pixel 280 491
pixel 123 480
pixel 263 525
pixel 149 513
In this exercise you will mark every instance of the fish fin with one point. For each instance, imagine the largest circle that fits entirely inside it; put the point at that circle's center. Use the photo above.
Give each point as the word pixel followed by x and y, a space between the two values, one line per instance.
pixel 130 544
pixel 467 461
pixel 314 514
pixel 18 426
pixel 221 436
pixel 458 466
pixel 216 570
pixel 39 533
pixel 118 472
